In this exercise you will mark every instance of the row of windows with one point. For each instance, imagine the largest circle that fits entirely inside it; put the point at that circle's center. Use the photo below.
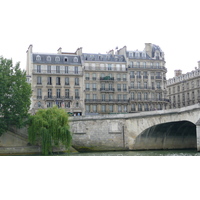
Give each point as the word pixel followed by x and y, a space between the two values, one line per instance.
pixel 58 93
pixel 58 80
pixel 57 70
pixel 57 59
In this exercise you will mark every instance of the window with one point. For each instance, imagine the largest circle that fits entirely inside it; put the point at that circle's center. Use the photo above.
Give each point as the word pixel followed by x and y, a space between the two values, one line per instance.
pixel 103 108
pixel 109 67
pixel 48 58
pixel 38 58
pixel 132 107
pixel 110 97
pixel 145 96
pixel 125 108
pixel 94 108
pixel 87 108
pixel 119 108
pixel 77 104
pixel 103 97
pixel 49 104
pixel 94 86
pixel 119 97
pixel 66 70
pixel 77 94
pixel 124 77
pixel 75 59
pixel 125 97
pixel 103 86
pixel 94 96
pixel 93 76
pixel 132 84
pixel 49 93
pixel 65 59
pixel 132 95
pixel 88 96
pixel 57 80
pixel 110 108
pixel 138 85
pixel 119 77
pixel 39 68
pixel 110 86
pixel 139 95
pixel 66 93
pixel 39 104
pixel 145 85
pixel 58 93
pixel 139 107
pixel 124 87
pixel 87 76
pixel 76 81
pixel 66 80
pixel 57 59
pixel 39 93
pixel 87 86
pixel 48 68
pixel 57 69
pixel 39 80
pixel 76 70
pixel 119 87
pixel 67 104
pixel 49 81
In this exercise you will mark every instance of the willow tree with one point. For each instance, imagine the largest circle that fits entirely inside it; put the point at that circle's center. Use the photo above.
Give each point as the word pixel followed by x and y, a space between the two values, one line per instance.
pixel 15 95
pixel 49 128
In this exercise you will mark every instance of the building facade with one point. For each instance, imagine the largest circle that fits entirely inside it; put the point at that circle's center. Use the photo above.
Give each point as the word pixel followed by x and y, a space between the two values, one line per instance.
pixel 86 83
pixel 184 90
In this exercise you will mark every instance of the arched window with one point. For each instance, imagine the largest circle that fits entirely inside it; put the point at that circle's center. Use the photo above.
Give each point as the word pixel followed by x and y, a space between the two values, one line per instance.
pixel 38 58
pixel 49 58
pixel 75 59
pixel 57 59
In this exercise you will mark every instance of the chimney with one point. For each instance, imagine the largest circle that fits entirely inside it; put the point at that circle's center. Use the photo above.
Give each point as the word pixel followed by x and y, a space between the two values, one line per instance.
pixel 59 51
pixel 148 49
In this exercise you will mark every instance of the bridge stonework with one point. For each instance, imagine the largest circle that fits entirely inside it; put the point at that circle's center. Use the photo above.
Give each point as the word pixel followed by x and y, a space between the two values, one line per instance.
pixel 120 131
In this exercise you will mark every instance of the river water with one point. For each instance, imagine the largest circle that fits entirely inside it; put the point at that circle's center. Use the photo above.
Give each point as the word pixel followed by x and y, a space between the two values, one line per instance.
pixel 192 152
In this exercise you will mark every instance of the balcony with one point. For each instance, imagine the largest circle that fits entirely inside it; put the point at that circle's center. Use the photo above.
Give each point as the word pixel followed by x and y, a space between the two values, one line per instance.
pixel 141 88
pixel 106 101
pixel 159 77
pixel 53 98
pixel 149 99
pixel 132 76
pixel 39 97
pixel 107 78
pixel 62 72
pixel 107 89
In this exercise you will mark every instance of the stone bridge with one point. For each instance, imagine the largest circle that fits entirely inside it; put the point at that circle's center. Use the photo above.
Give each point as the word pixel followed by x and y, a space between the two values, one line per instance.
pixel 164 129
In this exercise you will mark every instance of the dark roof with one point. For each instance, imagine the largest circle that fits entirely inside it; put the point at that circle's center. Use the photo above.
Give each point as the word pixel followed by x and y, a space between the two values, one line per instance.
pixel 103 57
pixel 56 59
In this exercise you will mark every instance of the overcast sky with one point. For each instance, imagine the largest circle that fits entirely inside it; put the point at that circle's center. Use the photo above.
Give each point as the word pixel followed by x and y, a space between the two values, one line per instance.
pixel 99 26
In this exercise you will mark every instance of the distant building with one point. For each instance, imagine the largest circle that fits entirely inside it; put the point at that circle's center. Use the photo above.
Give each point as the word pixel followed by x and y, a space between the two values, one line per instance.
pixel 184 90
pixel 86 83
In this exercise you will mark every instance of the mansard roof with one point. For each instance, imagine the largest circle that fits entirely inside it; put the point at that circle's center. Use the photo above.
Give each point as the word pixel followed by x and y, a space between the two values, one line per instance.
pixel 135 55
pixel 56 59
pixel 103 57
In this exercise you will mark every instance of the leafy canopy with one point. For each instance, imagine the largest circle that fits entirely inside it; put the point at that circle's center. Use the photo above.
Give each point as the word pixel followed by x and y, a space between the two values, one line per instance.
pixel 15 95
pixel 49 128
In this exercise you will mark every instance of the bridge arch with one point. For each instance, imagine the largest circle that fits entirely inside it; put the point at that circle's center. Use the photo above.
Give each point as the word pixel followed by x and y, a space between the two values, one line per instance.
pixel 170 135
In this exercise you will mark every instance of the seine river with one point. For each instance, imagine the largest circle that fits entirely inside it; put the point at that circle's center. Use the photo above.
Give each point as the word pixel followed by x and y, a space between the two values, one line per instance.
pixel 138 153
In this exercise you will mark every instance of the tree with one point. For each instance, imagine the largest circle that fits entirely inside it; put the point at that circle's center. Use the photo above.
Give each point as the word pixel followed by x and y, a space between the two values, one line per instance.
pixel 49 128
pixel 15 95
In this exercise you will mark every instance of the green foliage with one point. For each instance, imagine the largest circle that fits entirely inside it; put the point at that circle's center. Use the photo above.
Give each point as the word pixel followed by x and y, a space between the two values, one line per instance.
pixel 15 95
pixel 49 128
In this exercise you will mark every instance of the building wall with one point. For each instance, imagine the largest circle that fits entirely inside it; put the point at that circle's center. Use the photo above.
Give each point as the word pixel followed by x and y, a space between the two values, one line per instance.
pixel 116 82
pixel 184 90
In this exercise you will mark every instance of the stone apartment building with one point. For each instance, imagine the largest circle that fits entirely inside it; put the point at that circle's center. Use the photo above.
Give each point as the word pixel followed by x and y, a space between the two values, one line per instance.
pixel 86 83
pixel 184 89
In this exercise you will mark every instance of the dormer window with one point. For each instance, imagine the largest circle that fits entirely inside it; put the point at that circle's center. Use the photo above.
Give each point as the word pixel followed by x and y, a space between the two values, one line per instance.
pixel 144 55
pixel 48 58
pixel 137 54
pixel 57 59
pixel 130 54
pixel 38 58
pixel 75 59
pixel 65 59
